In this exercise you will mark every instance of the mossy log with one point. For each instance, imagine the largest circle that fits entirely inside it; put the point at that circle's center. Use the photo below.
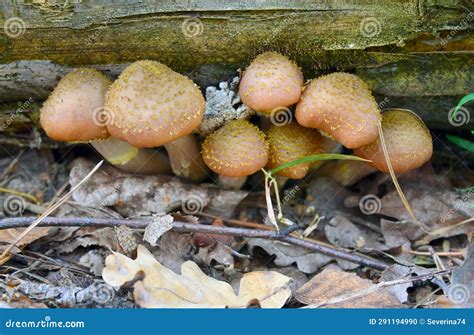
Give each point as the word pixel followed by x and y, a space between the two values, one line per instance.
pixel 414 54
pixel 188 34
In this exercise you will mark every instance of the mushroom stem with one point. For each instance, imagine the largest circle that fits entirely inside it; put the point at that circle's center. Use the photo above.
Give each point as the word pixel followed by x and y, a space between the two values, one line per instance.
pixel 234 183
pixel 128 158
pixel 148 161
pixel 186 159
pixel 346 172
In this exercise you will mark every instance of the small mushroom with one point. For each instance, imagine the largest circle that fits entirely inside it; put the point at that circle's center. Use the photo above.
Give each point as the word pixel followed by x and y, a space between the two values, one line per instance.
pixel 74 112
pixel 408 140
pixel 341 105
pixel 271 81
pixel 236 150
pixel 153 105
pixel 291 142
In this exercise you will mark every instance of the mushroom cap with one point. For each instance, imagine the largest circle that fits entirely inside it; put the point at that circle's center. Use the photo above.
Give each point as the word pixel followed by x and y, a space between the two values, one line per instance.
pixel 71 112
pixel 237 149
pixel 271 81
pixel 291 142
pixel 409 143
pixel 341 105
pixel 152 105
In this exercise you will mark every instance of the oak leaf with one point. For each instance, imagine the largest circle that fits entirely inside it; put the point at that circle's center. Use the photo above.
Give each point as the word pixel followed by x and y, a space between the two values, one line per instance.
pixel 156 286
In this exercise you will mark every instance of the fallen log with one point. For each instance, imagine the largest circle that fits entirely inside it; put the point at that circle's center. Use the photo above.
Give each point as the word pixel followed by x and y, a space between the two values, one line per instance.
pixel 189 34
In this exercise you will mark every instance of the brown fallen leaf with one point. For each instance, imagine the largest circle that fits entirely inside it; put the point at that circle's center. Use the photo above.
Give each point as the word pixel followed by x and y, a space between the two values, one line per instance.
pixel 286 254
pixel 8 236
pixel 203 240
pixel 88 236
pixel 156 286
pixel 337 289
pixel 173 249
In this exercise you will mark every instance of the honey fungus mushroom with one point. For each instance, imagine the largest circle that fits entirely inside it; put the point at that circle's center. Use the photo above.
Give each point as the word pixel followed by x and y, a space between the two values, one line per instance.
pixel 153 106
pixel 236 150
pixel 74 112
pixel 341 105
pixel 271 81
pixel 291 142
pixel 408 140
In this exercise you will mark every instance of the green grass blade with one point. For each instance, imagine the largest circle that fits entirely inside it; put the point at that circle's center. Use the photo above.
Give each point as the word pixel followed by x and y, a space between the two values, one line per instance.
pixel 463 101
pixel 461 142
pixel 316 158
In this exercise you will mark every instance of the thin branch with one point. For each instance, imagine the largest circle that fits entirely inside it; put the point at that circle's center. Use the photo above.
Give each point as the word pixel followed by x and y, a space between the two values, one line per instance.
pixel 194 228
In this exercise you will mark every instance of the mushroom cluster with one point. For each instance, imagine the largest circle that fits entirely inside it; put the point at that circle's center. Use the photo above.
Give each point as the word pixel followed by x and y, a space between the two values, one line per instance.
pixel 150 106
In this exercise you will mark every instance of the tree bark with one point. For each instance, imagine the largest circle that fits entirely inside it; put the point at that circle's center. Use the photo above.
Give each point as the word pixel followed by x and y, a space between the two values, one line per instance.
pixel 188 34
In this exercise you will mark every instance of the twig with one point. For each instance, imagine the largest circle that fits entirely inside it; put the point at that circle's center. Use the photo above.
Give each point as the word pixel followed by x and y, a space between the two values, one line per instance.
pixel 240 223
pixel 194 228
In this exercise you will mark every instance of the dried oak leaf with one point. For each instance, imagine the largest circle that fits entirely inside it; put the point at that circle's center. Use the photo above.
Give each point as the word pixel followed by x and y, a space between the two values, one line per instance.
pixel 156 286
pixel 337 289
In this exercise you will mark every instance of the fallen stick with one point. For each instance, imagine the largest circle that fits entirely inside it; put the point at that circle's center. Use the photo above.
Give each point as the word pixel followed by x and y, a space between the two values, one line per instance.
pixel 309 244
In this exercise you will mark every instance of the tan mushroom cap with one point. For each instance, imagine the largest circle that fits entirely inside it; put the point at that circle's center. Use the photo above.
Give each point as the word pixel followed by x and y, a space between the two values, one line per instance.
pixel 408 140
pixel 341 105
pixel 291 142
pixel 237 149
pixel 153 105
pixel 72 111
pixel 271 81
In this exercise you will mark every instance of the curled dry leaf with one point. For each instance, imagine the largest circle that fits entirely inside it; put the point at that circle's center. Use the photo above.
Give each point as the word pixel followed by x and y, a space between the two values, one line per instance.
pixel 286 254
pixel 156 286
pixel 332 288
pixel 8 236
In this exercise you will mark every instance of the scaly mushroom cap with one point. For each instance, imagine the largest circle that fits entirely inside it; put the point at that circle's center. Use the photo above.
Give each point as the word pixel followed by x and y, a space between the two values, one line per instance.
pixel 152 105
pixel 291 142
pixel 271 81
pixel 237 149
pixel 72 111
pixel 409 142
pixel 341 105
